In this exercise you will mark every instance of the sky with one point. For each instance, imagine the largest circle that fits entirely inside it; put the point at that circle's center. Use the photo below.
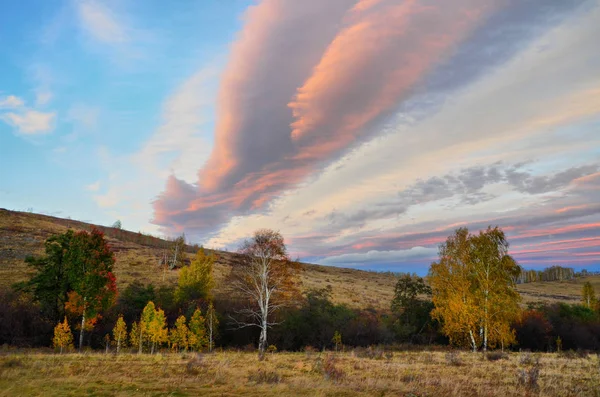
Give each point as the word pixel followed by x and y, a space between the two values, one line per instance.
pixel 365 131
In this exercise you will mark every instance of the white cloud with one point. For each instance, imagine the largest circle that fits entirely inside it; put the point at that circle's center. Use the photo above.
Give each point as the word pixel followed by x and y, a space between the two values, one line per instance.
pixel 93 187
pixel 383 257
pixel 11 102
pixel 43 97
pixel 101 23
pixel 30 122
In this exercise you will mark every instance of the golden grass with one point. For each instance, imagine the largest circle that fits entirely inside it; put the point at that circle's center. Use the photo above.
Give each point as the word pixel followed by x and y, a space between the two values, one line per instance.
pixel 301 374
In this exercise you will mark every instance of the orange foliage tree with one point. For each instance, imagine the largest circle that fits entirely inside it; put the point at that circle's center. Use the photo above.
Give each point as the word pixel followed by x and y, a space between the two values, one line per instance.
pixel 474 289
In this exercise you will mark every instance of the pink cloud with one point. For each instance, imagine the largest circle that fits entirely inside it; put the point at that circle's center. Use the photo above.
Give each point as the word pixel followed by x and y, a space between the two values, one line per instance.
pixel 303 81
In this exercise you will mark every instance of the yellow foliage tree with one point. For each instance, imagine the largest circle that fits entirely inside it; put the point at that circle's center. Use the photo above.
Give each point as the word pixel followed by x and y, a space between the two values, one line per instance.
pixel 474 289
pixel 62 336
pixel 196 280
pixel 197 335
pixel 589 295
pixel 120 333
pixel 134 335
pixel 179 336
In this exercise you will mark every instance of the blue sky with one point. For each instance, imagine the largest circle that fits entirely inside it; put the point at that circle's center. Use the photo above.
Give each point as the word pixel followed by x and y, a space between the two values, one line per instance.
pixel 364 130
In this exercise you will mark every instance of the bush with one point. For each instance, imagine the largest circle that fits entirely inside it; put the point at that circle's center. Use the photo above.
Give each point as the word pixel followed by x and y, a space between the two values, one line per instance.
pixel 529 377
pixel 453 358
pixel 195 365
pixel 330 370
pixel 264 376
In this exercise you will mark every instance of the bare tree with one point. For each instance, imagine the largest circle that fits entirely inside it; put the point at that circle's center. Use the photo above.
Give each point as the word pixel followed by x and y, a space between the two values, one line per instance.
pixel 267 279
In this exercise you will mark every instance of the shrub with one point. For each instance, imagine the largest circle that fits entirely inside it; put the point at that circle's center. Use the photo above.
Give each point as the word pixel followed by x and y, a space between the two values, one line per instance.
pixel 529 377
pixel 264 376
pixel 526 358
pixel 453 358
pixel 330 370
pixel 195 365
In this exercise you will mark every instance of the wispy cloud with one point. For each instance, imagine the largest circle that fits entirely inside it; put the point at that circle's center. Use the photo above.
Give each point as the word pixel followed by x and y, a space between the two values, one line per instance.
pixel 101 22
pixel 10 102
pixel 30 122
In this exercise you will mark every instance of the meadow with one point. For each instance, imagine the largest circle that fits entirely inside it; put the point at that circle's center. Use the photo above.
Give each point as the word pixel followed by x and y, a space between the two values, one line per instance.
pixel 362 372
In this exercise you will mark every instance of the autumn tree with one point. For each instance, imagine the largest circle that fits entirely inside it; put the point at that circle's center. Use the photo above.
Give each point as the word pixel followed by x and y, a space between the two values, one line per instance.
pixel 62 336
pixel 179 336
pixel 120 333
pixel 152 327
pixel 134 336
pixel 212 324
pixel 197 331
pixel 90 274
pixel 267 279
pixel 76 274
pixel 474 289
pixel 588 295
pixel 196 280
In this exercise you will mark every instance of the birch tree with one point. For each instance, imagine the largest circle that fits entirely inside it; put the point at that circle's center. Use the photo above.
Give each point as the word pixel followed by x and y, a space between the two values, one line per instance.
pixel 62 335
pixel 120 333
pixel 474 289
pixel 212 322
pixel 266 278
pixel 588 295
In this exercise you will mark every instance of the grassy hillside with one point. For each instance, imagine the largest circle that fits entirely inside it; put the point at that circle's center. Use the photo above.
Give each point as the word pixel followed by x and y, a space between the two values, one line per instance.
pixel 137 255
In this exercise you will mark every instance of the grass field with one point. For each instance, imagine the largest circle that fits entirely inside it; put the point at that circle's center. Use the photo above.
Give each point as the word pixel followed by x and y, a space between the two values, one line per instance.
pixel 305 374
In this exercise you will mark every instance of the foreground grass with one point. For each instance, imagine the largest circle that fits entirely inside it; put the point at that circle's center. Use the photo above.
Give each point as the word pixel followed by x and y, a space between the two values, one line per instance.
pixel 307 374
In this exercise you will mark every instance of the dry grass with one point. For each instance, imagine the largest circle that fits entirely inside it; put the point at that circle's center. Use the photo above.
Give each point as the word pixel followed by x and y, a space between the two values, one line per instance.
pixel 326 374
pixel 23 234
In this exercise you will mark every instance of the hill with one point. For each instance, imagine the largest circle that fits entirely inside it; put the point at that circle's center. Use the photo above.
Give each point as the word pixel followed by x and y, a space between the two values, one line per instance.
pixel 137 258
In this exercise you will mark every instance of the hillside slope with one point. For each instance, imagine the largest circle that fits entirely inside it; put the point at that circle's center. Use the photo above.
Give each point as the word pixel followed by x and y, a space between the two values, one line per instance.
pixel 137 256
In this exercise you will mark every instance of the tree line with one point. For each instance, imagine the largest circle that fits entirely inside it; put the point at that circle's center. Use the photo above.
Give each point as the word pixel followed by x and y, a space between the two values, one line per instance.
pixel 468 298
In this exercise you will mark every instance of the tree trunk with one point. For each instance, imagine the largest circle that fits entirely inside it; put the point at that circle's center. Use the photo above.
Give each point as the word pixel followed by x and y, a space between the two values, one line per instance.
pixel 473 344
pixel 210 333
pixel 262 342
pixel 152 350
pixel 118 343
pixel 141 334
pixel 81 333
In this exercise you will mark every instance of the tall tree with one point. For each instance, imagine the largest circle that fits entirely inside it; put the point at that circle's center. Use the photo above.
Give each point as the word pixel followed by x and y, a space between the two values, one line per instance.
pixel 474 289
pixel 90 274
pixel 212 324
pixel 412 311
pixel 76 273
pixel 266 278
pixel 588 295
pixel 196 280
pixel 50 284
pixel 120 333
